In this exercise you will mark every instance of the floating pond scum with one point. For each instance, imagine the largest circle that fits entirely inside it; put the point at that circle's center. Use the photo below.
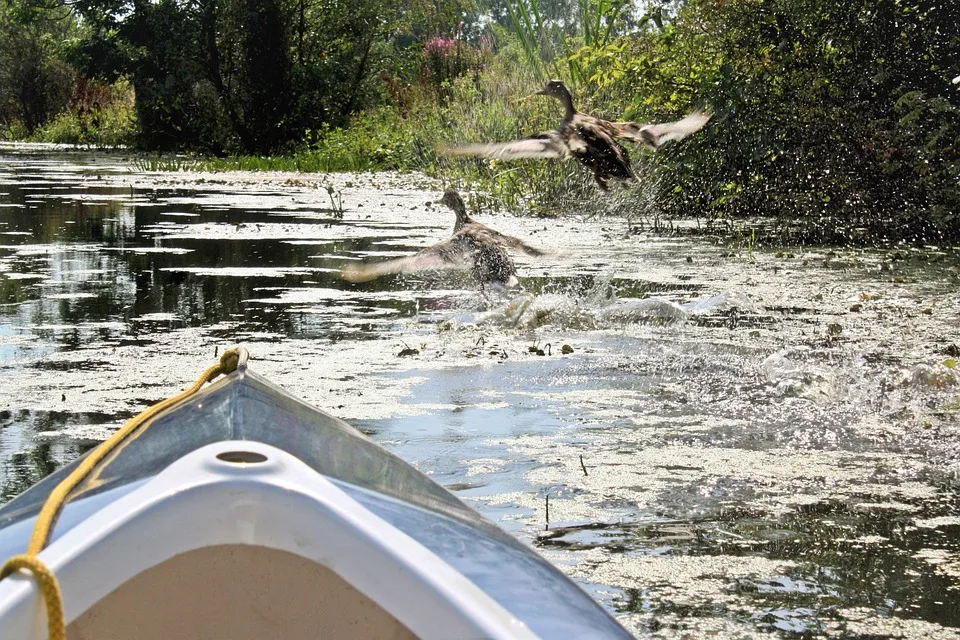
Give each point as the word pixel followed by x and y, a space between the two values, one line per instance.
pixel 238 511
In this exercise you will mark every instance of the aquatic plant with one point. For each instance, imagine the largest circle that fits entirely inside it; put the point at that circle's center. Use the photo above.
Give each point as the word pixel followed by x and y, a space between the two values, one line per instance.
pixel 166 163
pixel 336 201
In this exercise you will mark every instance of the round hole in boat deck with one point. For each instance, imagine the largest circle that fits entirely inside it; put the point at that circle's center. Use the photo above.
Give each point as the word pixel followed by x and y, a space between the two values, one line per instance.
pixel 242 457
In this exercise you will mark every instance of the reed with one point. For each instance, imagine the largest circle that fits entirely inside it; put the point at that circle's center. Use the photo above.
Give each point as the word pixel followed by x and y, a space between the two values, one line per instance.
pixel 166 163
pixel 550 51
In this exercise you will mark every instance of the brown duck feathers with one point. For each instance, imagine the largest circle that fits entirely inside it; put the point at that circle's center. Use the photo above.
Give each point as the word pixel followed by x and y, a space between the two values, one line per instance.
pixel 473 246
pixel 592 141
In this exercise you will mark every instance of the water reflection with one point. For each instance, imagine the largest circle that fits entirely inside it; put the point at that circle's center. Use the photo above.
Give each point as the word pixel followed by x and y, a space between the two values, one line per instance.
pixel 89 265
pixel 24 468
pixel 77 254
pixel 834 557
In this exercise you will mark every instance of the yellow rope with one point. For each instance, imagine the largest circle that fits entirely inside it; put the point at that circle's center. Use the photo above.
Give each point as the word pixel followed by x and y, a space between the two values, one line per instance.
pixel 49 590
pixel 49 587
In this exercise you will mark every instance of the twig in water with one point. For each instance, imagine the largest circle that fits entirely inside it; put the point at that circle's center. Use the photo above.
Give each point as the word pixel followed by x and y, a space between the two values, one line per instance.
pixel 547 528
pixel 583 466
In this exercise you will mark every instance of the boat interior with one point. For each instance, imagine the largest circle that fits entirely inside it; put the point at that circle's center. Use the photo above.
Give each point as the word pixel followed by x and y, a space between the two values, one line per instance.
pixel 236 592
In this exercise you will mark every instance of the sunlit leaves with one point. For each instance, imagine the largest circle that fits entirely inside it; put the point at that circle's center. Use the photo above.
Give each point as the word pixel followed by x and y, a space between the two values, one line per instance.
pixel 551 46
pixel 828 111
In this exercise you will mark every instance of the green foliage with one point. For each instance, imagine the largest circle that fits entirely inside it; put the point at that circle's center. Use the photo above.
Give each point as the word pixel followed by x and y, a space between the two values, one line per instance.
pixel 549 44
pixel 374 141
pixel 378 140
pixel 447 59
pixel 231 77
pixel 841 84
pixel 15 130
pixel 34 81
pixel 836 118
pixel 98 115
pixel 836 121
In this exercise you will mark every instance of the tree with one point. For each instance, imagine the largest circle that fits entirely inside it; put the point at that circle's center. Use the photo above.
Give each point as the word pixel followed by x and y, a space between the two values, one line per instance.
pixel 839 114
pixel 234 76
pixel 34 82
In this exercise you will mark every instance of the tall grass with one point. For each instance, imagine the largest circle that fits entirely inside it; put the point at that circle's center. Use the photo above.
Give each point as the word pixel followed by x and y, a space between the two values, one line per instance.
pixel 166 163
pixel 529 29
pixel 374 141
pixel 550 50
pixel 489 111
pixel 479 108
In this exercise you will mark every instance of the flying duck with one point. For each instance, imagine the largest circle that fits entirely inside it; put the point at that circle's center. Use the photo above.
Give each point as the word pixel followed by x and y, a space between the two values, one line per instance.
pixel 592 141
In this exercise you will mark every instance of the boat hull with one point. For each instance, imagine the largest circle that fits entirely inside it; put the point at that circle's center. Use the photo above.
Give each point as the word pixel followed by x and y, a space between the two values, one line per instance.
pixel 244 499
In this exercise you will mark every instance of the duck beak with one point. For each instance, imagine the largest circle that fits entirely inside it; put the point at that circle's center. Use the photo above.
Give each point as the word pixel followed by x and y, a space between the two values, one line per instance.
pixel 525 98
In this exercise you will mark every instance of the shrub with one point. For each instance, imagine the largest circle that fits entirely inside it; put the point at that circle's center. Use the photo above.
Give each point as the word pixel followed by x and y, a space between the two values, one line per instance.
pixel 98 115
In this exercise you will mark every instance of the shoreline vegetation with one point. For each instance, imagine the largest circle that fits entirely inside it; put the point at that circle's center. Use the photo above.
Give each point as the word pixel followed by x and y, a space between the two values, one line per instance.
pixel 833 123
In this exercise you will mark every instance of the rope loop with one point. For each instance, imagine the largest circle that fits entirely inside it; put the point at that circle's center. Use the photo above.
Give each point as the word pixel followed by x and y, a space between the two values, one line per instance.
pixel 49 589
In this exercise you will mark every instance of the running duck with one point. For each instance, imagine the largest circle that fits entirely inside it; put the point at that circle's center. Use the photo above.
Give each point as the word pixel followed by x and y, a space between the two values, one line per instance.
pixel 473 245
pixel 592 141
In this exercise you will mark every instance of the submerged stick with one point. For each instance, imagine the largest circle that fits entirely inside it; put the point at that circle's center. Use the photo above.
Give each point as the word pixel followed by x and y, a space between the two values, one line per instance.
pixel 547 528
pixel 583 466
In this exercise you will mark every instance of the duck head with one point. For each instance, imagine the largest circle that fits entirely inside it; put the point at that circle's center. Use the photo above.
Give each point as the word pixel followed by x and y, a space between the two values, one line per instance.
pixel 558 90
pixel 554 89
pixel 453 200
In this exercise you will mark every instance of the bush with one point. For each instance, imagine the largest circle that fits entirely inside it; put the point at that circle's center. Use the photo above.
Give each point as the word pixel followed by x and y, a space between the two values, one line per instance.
pixel 836 121
pixel 98 115
pixel 15 130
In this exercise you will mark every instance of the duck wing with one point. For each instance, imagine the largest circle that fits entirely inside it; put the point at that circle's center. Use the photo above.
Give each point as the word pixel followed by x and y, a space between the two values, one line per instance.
pixel 483 234
pixel 653 135
pixel 549 144
pixel 453 253
pixel 519 245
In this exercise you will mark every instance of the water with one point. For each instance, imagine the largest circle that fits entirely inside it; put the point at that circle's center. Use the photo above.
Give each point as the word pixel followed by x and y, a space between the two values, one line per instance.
pixel 736 443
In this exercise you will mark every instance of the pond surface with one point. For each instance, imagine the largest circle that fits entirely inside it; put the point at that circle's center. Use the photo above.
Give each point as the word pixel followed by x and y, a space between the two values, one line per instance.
pixel 734 443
